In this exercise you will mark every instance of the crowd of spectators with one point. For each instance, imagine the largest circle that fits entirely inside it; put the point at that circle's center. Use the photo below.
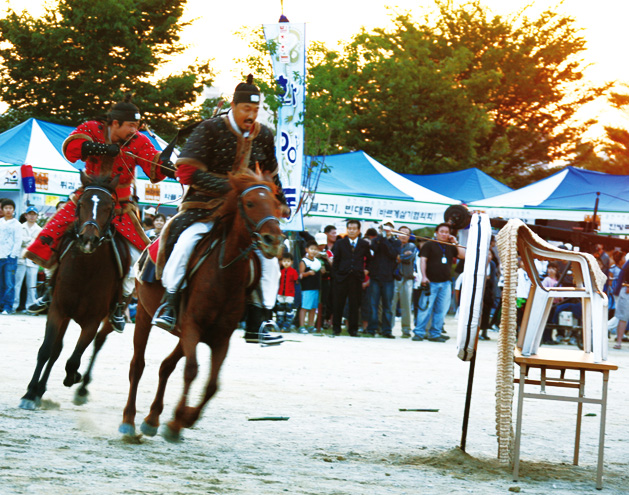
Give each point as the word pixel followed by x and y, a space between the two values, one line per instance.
pixel 361 281
pixel 364 281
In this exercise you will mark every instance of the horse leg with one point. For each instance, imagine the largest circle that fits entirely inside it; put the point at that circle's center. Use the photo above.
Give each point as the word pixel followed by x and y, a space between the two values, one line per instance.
pixel 219 352
pixel 72 365
pixel 188 342
pixel 81 394
pixel 136 369
pixel 48 353
pixel 151 422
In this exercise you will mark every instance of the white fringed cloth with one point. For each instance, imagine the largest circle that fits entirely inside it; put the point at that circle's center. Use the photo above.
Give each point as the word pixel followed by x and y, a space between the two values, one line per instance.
pixel 507 241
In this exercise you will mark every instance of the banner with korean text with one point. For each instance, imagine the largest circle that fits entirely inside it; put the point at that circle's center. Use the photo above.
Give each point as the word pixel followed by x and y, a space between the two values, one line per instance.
pixel 288 46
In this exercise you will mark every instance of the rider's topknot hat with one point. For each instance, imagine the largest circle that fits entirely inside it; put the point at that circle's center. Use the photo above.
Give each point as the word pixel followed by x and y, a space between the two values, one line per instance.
pixel 124 111
pixel 247 92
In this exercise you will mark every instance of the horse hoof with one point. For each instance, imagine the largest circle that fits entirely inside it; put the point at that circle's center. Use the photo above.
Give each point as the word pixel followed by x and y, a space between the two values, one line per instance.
pixel 127 430
pixel 71 379
pixel 148 430
pixel 29 405
pixel 80 397
pixel 170 435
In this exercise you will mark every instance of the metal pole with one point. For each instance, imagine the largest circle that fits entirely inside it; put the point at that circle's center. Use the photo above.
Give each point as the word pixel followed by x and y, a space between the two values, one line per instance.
pixel 468 400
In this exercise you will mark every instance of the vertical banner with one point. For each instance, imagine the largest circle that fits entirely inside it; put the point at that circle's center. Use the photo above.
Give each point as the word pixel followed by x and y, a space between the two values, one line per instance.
pixel 289 67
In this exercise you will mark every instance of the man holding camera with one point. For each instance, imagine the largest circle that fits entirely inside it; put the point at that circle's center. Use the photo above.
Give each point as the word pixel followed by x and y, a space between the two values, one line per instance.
pixel 386 252
pixel 436 258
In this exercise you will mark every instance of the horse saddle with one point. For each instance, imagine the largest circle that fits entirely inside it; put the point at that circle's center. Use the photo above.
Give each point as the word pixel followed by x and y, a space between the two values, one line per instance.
pixel 204 248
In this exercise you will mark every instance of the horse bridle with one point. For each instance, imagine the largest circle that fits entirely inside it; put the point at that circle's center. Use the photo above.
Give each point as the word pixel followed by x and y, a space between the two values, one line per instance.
pixel 106 229
pixel 252 227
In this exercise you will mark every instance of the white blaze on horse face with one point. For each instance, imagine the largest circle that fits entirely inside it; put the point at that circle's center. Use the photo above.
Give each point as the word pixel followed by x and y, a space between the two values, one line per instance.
pixel 95 200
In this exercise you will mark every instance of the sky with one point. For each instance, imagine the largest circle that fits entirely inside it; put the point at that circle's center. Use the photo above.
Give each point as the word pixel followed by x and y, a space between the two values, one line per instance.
pixel 212 33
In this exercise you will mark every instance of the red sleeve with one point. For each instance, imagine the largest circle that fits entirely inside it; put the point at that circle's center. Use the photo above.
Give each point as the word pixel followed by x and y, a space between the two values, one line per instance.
pixel 184 173
pixel 148 158
pixel 87 131
pixel 73 150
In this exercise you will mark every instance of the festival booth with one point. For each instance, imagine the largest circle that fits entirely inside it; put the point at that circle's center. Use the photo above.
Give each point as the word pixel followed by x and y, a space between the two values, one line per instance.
pixel 467 185
pixel 570 195
pixel 357 186
pixel 32 149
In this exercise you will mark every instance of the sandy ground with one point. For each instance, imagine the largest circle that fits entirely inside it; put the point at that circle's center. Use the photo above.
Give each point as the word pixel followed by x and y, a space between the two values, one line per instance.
pixel 345 434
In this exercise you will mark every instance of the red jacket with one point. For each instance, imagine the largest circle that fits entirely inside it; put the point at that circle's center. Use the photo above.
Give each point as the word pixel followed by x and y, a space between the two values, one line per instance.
pixel 288 279
pixel 146 156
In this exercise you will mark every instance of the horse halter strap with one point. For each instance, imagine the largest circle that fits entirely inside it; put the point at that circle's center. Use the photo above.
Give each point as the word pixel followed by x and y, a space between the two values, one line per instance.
pixel 253 229
pixel 114 198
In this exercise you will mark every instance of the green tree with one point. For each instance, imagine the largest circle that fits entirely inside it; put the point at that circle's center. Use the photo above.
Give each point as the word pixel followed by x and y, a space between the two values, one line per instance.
pixel 81 56
pixel 461 88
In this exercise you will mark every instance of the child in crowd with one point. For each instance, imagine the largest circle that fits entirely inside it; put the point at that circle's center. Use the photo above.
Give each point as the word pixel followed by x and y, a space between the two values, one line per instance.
pixel 286 294
pixel 310 269
pixel 552 275
pixel 10 248
pixel 522 290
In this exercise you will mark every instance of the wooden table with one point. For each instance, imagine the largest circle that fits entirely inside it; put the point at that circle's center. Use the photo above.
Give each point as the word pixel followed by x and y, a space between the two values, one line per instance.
pixel 562 360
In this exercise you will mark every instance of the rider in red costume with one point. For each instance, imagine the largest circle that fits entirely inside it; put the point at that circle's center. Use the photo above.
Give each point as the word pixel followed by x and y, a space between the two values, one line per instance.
pixel 111 146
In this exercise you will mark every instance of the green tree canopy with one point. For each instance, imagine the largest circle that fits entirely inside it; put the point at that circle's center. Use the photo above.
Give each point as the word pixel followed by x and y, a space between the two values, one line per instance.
pixel 464 88
pixel 460 88
pixel 81 56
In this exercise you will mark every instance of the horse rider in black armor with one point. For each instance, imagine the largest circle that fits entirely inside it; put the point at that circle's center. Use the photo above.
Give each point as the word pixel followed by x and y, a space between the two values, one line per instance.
pixel 226 143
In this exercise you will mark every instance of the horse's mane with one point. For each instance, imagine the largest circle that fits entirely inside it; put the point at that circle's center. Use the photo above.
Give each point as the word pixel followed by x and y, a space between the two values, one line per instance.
pixel 239 182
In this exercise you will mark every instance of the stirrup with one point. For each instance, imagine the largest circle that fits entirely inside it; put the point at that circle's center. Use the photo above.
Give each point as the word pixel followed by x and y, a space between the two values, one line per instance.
pixel 166 322
pixel 117 318
pixel 263 337
pixel 41 303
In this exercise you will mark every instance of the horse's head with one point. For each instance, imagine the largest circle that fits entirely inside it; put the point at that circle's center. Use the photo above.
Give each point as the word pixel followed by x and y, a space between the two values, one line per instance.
pixel 259 208
pixel 95 210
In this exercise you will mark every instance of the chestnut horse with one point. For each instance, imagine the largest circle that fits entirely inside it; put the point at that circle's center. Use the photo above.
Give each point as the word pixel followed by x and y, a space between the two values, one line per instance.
pixel 87 285
pixel 213 301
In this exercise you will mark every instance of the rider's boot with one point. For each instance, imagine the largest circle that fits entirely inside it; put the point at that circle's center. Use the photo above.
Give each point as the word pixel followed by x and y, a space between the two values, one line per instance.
pixel 42 302
pixel 166 315
pixel 117 316
pixel 258 323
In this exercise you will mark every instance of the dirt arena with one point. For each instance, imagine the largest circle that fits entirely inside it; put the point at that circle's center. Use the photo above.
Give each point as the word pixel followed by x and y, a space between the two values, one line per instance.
pixel 345 433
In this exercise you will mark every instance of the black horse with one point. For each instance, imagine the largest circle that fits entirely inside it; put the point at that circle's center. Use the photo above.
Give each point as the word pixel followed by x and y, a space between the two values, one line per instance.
pixel 87 285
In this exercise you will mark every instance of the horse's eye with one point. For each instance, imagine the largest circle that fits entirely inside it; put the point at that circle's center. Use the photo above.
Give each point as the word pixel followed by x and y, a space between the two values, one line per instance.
pixel 249 204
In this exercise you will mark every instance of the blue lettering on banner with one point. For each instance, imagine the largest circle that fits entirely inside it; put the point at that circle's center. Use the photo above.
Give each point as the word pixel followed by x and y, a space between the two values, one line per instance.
pixel 618 227
pixel 71 186
pixel 290 193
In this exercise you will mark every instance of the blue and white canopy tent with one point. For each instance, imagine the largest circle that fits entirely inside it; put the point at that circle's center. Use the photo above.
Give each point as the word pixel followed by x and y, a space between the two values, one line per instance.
pixel 357 186
pixel 38 143
pixel 467 185
pixel 569 195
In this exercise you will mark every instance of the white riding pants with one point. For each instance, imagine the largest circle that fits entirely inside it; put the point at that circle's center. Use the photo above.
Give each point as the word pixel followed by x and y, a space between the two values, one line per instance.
pixel 128 284
pixel 175 268
pixel 269 280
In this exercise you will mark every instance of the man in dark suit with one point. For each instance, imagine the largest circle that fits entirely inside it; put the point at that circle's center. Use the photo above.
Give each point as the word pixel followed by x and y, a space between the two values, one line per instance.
pixel 386 254
pixel 351 253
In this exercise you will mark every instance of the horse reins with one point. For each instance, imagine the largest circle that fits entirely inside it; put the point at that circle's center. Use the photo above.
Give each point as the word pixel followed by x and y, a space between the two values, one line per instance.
pixel 252 228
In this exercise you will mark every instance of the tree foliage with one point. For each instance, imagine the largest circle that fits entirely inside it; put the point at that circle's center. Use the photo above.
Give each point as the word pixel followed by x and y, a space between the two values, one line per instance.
pixel 460 88
pixel 466 88
pixel 81 56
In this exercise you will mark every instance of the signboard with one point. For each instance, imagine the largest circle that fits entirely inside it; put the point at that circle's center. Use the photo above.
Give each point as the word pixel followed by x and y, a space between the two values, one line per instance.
pixel 289 67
